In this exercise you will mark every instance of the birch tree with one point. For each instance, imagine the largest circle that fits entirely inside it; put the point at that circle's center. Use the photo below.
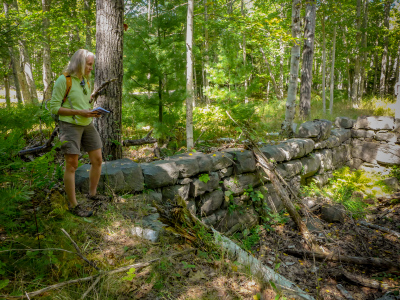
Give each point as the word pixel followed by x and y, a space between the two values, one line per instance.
pixel 385 49
pixel 189 75
pixel 308 54
pixel 46 51
pixel 294 71
pixel 332 71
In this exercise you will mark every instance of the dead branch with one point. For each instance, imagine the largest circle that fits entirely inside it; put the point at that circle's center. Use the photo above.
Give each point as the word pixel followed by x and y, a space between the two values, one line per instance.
pixel 96 93
pixel 78 251
pixel 119 270
pixel 91 287
pixel 344 292
pixel 384 229
pixel 277 181
pixel 45 148
pixel 375 284
pixel 372 261
pixel 143 141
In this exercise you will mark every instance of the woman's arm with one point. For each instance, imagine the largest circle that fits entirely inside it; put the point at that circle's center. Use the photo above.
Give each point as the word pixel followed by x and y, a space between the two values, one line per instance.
pixel 75 112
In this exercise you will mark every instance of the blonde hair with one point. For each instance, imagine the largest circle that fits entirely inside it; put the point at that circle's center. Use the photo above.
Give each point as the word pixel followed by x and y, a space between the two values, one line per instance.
pixel 77 63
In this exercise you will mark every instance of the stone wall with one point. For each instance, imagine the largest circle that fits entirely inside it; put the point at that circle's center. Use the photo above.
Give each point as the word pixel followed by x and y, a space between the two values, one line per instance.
pixel 224 188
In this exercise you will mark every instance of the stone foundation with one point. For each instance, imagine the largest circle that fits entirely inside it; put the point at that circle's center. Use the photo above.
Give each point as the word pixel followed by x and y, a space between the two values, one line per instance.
pixel 223 188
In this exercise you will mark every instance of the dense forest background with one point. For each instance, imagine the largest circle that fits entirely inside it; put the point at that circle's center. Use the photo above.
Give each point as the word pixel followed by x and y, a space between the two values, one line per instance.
pixel 241 58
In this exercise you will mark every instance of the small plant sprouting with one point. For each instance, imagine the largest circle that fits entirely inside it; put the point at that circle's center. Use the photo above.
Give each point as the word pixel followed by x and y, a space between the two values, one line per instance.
pixel 188 266
pixel 204 178
pixel 130 274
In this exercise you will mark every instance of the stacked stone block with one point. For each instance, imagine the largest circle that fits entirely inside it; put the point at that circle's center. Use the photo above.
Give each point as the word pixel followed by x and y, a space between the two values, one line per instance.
pixel 217 186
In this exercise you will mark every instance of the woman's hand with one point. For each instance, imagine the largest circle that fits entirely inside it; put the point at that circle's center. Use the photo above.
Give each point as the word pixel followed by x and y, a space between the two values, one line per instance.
pixel 88 114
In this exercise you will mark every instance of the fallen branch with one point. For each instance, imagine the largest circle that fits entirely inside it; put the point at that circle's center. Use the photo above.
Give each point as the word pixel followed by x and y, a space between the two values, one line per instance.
pixel 365 281
pixel 45 148
pixel 344 292
pixel 276 180
pixel 91 287
pixel 78 251
pixel 65 283
pixel 146 140
pixel 96 93
pixel 373 261
pixel 383 229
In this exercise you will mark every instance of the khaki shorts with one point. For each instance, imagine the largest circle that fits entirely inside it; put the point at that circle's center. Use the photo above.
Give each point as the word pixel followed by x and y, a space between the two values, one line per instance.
pixel 77 136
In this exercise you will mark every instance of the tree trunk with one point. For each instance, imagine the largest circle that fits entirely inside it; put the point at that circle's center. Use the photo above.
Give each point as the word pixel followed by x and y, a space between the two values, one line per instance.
pixel 27 71
pixel 323 63
pixel 354 93
pixel 271 75
pixel 294 71
pixel 385 50
pixel 364 45
pixel 308 54
pixel 189 76
pixel 246 99
pixel 109 64
pixel 6 78
pixel 332 71
pixel 46 52
pixel 347 64
pixel 206 57
pixel 88 32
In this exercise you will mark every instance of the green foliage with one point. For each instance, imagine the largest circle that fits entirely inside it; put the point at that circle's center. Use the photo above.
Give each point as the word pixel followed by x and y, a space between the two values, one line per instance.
pixel 130 274
pixel 204 178
pixel 255 196
pixel 248 238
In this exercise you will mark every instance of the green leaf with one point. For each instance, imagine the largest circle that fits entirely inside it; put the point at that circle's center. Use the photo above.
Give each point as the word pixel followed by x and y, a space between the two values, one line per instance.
pixel 4 283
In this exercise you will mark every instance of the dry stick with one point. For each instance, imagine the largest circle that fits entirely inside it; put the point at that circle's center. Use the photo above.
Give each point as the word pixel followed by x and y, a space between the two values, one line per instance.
pixel 91 287
pixel 365 281
pixel 119 270
pixel 96 93
pixel 384 229
pixel 344 292
pixel 276 180
pixel 374 261
pixel 78 251
pixel 45 148
pixel 46 249
pixel 146 140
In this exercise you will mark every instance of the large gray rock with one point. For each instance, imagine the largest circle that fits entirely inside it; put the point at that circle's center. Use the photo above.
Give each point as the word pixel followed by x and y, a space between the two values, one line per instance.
pixel 344 122
pixel 160 173
pixel 290 168
pixel 392 182
pixel 295 185
pixel 298 147
pixel 342 134
pixel 390 137
pixel 340 155
pixel 247 217
pixel 387 154
pixel 320 180
pixel 273 152
pixel 237 184
pixel 375 123
pixel 122 175
pixel 225 172
pixel 318 130
pixel 221 160
pixel 173 191
pixel 211 202
pixel 362 133
pixel 149 196
pixel 188 165
pixel 332 141
pixel 333 213
pixel 244 160
pixel 326 159
pixel 198 187
pixel 310 165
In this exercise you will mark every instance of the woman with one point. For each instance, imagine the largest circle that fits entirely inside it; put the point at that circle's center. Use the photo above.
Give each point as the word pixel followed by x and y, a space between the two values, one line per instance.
pixel 76 126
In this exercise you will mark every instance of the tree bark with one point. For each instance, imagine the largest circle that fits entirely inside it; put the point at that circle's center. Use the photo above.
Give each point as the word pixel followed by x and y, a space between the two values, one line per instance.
pixel 356 81
pixel 206 57
pixel 246 99
pixel 385 49
pixel 323 63
pixel 332 71
pixel 308 54
pixel 364 46
pixel 294 71
pixel 27 71
pixel 189 76
pixel 109 64
pixel 46 52
pixel 6 78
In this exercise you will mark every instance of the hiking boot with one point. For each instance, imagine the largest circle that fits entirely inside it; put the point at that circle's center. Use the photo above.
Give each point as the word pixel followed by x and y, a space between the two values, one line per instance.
pixel 98 197
pixel 80 211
